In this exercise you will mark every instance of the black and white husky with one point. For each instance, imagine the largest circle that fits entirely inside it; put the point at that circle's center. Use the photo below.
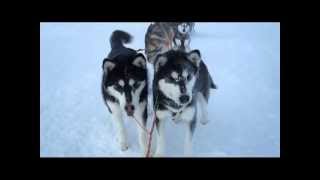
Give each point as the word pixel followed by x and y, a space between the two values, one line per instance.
pixel 181 81
pixel 124 86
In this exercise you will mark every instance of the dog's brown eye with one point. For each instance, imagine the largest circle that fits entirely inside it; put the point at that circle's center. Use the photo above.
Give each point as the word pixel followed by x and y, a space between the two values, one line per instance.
pixel 189 77
pixel 171 79
pixel 118 87
pixel 136 85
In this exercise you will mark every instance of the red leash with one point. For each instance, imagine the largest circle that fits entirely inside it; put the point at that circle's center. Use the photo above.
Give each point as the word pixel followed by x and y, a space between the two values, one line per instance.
pixel 150 136
pixel 149 132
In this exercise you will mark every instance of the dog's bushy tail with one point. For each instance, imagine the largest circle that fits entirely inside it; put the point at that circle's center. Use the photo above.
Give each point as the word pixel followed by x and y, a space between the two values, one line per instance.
pixel 119 37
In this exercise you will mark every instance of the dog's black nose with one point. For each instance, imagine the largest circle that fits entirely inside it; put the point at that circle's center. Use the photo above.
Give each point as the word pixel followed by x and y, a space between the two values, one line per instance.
pixel 129 109
pixel 184 99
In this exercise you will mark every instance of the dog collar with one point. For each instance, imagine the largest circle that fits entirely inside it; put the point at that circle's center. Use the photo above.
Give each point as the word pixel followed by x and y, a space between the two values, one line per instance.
pixel 171 103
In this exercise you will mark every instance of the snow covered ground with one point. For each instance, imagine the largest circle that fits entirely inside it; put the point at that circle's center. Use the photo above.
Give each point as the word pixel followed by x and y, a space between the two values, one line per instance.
pixel 243 59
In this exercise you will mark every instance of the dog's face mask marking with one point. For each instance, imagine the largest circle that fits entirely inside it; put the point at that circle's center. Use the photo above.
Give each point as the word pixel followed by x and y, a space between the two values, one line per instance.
pixel 178 76
pixel 178 86
pixel 125 85
pixel 128 93
pixel 183 28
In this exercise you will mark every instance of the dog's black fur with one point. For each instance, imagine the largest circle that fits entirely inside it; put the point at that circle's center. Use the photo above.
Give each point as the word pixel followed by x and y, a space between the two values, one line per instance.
pixel 123 57
pixel 177 60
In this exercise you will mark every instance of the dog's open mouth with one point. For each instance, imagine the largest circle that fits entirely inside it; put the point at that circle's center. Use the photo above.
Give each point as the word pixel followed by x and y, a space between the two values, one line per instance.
pixel 130 113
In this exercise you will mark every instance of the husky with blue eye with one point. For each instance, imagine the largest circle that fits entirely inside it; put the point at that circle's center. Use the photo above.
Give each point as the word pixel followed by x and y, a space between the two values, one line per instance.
pixel 124 86
pixel 181 82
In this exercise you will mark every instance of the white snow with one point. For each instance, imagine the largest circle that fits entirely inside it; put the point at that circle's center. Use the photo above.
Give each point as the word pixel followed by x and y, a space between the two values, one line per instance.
pixel 244 113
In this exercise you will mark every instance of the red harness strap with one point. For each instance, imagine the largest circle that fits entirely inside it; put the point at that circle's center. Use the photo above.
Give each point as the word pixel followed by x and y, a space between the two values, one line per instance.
pixel 151 130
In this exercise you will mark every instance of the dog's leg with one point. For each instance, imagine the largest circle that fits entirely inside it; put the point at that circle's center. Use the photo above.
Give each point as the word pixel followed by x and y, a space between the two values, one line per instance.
pixel 142 139
pixel 118 120
pixel 160 150
pixel 161 117
pixel 142 133
pixel 203 109
pixel 122 134
pixel 188 138
pixel 189 116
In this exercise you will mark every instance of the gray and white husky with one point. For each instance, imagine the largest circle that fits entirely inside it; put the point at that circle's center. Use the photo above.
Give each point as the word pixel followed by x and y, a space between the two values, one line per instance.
pixel 124 86
pixel 164 36
pixel 181 81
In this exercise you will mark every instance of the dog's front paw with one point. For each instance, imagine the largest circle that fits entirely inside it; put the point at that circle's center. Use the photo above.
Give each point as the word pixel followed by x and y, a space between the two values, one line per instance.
pixel 204 122
pixel 158 154
pixel 204 119
pixel 144 151
pixel 124 146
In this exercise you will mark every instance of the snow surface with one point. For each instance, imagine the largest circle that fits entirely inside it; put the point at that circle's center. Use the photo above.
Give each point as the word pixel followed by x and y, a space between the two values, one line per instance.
pixel 243 59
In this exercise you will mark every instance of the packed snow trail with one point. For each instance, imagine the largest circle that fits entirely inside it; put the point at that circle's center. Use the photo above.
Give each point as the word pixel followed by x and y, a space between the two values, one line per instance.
pixel 244 113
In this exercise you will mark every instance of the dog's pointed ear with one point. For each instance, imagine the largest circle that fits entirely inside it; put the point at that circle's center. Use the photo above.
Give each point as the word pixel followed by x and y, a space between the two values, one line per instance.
pixel 140 61
pixel 107 65
pixel 161 60
pixel 195 57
